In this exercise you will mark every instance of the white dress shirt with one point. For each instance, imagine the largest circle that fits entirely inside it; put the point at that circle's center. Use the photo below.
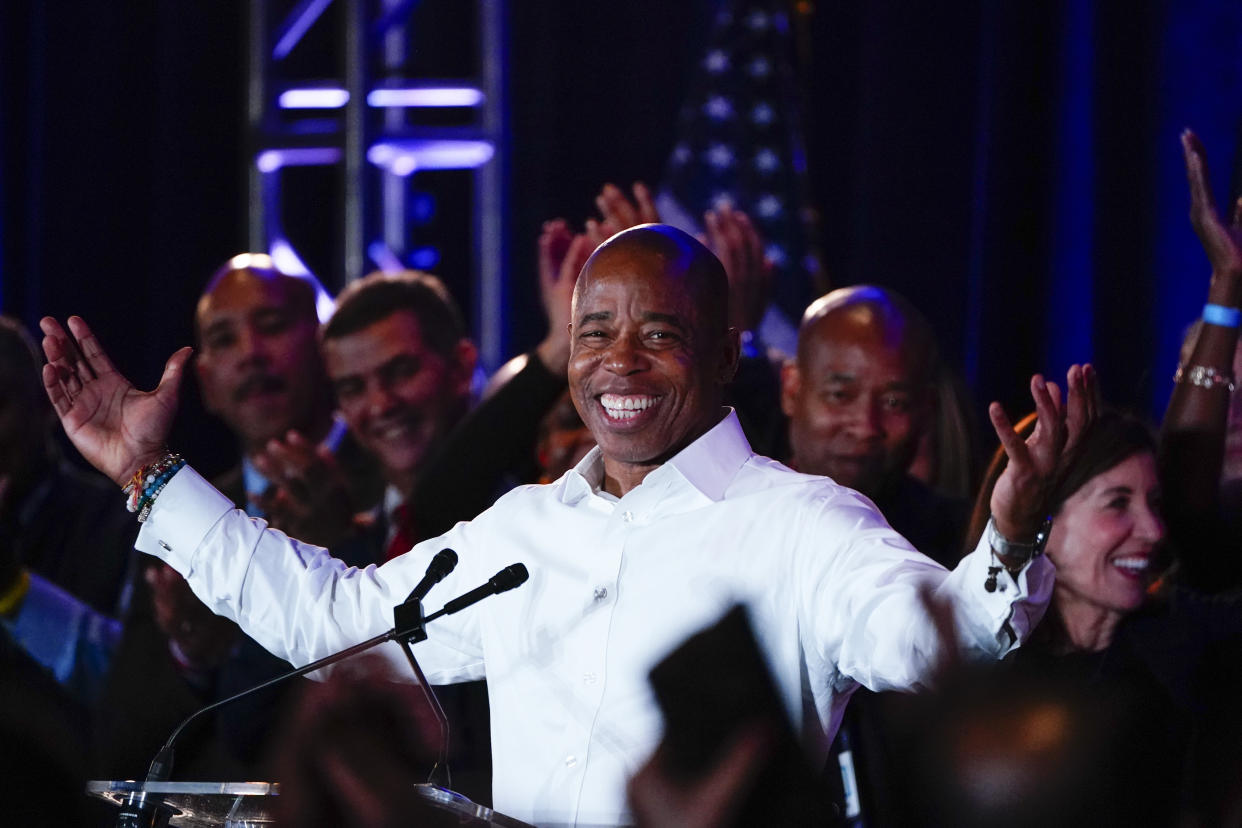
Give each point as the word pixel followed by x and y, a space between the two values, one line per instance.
pixel 615 585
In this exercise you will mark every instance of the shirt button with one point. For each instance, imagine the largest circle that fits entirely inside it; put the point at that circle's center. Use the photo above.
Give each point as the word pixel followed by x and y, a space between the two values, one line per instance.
pixel 570 761
pixel 628 517
pixel 601 593
pixel 588 678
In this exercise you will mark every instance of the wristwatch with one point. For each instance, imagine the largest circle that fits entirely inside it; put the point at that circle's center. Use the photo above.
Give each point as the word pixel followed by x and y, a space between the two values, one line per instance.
pixel 1017 553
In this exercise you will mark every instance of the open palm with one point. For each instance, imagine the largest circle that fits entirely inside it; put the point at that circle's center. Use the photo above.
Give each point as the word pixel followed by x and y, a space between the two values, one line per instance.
pixel 1019 498
pixel 116 427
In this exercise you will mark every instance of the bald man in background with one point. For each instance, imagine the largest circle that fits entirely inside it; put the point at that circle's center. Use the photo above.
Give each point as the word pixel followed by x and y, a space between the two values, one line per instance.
pixel 859 396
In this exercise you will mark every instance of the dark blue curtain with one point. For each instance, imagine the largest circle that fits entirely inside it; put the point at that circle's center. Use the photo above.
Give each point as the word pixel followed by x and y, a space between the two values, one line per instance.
pixel 1012 167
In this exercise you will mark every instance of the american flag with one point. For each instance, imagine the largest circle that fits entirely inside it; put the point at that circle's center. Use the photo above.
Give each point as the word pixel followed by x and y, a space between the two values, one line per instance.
pixel 739 142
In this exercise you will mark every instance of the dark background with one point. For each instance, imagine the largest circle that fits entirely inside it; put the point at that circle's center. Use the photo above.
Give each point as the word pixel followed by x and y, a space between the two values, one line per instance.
pixel 1012 167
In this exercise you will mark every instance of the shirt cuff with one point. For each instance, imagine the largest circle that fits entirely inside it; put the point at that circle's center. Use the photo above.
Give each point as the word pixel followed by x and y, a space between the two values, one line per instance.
pixel 1016 604
pixel 181 517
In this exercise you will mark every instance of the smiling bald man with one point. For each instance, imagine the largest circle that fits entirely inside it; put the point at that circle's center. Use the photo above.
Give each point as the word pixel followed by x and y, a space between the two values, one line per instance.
pixel 669 521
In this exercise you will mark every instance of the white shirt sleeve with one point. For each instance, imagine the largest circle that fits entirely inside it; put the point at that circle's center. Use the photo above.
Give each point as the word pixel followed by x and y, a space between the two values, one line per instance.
pixel 864 602
pixel 294 598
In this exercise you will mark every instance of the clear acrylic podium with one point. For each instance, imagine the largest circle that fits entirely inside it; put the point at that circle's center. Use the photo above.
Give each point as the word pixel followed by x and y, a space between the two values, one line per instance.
pixel 250 804
pixel 190 804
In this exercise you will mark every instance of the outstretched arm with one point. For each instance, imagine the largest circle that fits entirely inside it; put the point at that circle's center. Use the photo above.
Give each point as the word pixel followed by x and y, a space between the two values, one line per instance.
pixel 116 427
pixel 1193 440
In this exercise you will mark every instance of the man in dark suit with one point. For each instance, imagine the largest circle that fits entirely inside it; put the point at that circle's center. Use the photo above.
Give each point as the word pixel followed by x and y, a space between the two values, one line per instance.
pixel 260 371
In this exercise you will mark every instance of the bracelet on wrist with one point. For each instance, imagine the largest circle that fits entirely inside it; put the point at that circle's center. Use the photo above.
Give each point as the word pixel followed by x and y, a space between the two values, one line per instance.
pixel 1012 555
pixel 1222 315
pixel 1204 376
pixel 147 483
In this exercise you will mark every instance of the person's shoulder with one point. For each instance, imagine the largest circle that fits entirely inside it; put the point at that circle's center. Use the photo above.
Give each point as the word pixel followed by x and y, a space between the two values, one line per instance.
pixel 524 496
pixel 764 476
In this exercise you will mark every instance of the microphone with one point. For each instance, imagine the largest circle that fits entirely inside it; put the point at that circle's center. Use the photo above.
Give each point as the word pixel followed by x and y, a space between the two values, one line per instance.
pixel 506 579
pixel 441 565
pixel 513 575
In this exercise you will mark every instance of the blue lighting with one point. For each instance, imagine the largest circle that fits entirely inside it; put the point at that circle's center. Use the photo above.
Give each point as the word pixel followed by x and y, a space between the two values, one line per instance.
pixel 422 207
pixel 1070 302
pixel 424 258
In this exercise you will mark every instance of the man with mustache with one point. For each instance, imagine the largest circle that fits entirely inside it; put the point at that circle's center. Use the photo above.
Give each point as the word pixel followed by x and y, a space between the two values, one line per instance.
pixel 260 371
pixel 671 519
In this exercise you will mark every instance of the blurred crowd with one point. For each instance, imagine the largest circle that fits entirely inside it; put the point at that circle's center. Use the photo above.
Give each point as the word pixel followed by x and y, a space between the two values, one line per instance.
pixel 367 432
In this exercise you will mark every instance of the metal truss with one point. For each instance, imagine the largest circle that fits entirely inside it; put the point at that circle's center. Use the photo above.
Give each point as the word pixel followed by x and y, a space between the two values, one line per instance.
pixel 359 113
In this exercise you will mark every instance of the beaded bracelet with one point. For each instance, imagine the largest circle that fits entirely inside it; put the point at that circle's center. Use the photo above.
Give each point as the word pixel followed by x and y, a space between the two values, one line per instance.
pixel 147 483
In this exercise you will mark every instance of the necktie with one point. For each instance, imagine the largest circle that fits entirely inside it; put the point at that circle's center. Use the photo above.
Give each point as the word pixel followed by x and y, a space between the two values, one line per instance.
pixel 404 537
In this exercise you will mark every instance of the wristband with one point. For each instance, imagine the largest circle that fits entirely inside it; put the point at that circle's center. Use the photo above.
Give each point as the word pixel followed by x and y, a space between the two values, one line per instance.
pixel 1020 554
pixel 1221 315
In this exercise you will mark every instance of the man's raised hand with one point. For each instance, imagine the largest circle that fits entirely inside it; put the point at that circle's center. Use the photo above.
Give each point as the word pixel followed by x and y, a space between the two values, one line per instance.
pixel 116 427
pixel 1019 500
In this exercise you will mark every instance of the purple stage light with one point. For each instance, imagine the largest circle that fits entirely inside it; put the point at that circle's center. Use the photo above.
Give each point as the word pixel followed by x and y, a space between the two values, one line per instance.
pixel 426 96
pixel 405 156
pixel 289 262
pixel 273 159
pixel 384 258
pixel 313 98
pixel 332 97
pixel 295 25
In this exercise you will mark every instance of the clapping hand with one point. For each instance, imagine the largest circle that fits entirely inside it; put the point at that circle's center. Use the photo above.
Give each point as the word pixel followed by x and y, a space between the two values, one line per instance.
pixel 622 213
pixel 201 639
pixel 309 498
pixel 562 255
pixel 732 236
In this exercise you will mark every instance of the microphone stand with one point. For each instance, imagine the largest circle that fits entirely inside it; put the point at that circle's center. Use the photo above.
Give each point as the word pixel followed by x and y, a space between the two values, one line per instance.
pixel 409 627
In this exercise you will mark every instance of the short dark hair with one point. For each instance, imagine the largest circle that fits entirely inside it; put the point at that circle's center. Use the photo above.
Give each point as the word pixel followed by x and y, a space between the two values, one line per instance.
pixel 378 295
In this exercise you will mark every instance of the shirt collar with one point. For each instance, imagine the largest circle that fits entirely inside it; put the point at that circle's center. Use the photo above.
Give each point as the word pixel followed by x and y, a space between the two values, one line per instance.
pixel 708 464
pixel 391 502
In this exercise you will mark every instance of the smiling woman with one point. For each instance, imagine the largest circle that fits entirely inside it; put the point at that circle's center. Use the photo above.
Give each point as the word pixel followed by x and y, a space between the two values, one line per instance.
pixel 1118 620
pixel 1105 531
